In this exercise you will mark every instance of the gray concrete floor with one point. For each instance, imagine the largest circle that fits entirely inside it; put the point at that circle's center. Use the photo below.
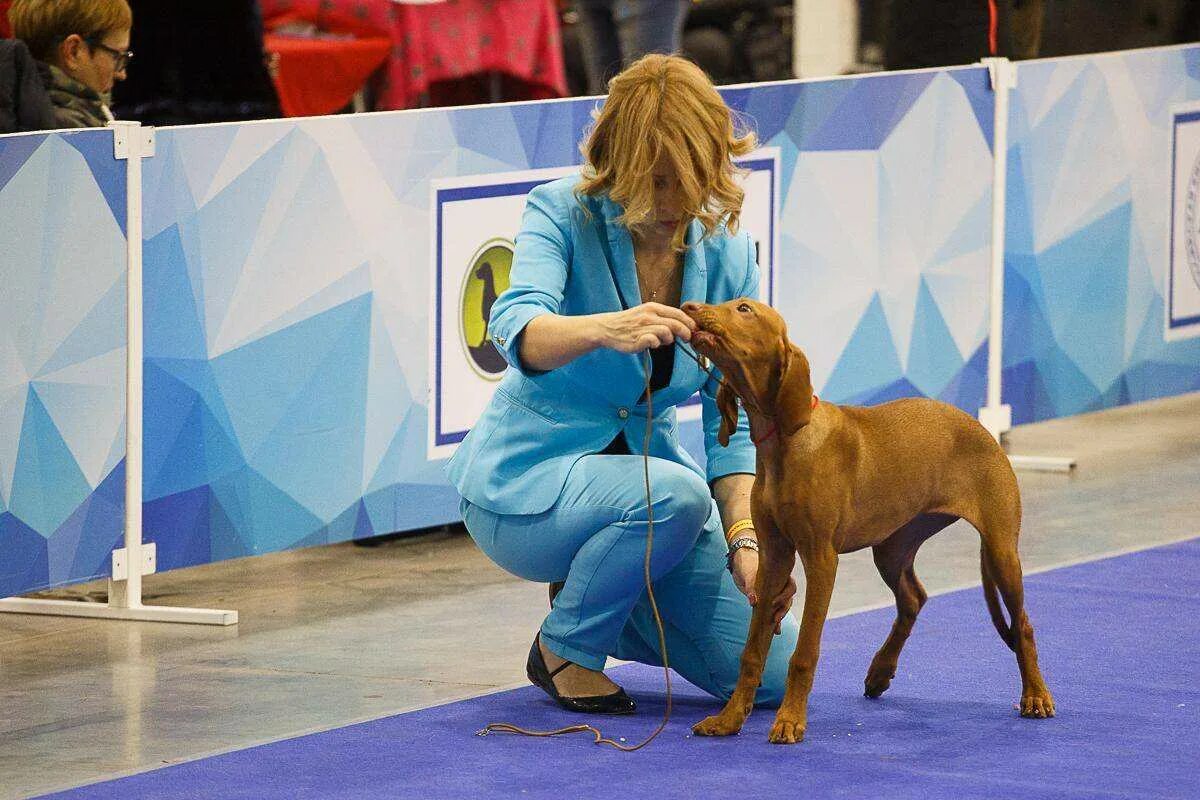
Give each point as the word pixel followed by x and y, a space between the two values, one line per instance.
pixel 337 634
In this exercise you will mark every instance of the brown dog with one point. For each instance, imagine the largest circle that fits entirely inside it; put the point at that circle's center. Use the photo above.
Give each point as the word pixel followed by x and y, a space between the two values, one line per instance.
pixel 833 479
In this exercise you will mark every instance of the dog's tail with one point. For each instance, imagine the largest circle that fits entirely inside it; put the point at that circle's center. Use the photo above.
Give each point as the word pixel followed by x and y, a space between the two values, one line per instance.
pixel 992 596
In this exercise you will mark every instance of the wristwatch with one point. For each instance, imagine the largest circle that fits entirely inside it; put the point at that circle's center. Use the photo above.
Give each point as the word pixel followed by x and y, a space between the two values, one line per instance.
pixel 737 544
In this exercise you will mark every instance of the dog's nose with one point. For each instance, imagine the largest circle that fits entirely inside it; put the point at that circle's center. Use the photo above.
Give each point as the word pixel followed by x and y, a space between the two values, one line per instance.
pixel 690 307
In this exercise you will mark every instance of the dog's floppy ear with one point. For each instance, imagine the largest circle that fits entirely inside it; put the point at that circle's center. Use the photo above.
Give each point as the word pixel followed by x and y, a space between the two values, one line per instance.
pixel 793 403
pixel 727 404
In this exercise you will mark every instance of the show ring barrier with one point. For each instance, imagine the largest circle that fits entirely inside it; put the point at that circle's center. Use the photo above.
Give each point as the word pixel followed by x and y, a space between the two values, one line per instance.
pixel 131 143
pixel 315 296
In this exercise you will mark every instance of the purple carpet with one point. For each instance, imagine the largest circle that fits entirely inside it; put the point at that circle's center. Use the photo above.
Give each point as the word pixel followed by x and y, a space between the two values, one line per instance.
pixel 1120 648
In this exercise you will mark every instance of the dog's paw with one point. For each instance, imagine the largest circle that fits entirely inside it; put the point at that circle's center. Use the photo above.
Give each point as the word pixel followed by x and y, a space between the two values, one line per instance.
pixel 1037 705
pixel 786 731
pixel 879 678
pixel 717 725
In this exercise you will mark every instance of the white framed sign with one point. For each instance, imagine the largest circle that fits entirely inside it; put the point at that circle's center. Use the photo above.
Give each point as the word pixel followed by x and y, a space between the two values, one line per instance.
pixel 1182 287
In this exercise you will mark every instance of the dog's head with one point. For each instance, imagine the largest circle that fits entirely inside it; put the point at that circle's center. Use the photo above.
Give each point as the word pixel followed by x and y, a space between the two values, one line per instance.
pixel 748 341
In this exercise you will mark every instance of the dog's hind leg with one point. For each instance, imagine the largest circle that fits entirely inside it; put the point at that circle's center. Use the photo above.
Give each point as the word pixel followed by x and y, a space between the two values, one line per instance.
pixel 1004 567
pixel 894 559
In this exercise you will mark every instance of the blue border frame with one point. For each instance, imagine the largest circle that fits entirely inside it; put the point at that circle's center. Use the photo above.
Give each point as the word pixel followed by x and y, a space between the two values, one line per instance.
pixel 455 194
pixel 1172 323
pixel 442 197
pixel 767 164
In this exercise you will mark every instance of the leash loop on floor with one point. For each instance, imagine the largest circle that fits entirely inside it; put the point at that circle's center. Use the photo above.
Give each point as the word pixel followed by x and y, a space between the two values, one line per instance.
pixel 507 727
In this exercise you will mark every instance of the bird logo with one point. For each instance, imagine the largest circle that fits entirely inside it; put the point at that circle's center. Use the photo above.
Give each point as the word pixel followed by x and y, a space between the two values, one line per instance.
pixel 485 280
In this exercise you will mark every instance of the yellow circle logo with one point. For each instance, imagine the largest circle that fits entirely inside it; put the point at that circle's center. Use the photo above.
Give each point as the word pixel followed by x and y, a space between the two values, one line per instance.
pixel 486 279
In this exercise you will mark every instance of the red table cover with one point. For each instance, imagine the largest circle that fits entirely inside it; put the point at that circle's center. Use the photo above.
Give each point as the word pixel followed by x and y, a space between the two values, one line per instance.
pixel 445 41
pixel 320 76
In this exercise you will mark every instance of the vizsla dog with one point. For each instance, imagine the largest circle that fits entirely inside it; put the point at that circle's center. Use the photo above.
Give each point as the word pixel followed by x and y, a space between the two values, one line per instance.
pixel 834 479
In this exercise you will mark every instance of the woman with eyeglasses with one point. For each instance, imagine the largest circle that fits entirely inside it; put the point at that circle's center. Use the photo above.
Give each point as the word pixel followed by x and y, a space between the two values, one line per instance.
pixel 82 48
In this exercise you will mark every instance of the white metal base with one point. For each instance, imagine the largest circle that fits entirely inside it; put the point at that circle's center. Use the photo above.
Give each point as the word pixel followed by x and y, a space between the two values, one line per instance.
pixel 996 419
pixel 1061 464
pixel 77 608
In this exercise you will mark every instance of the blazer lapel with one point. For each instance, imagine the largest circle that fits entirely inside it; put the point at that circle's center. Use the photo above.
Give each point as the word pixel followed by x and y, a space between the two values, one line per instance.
pixel 621 245
pixel 695 267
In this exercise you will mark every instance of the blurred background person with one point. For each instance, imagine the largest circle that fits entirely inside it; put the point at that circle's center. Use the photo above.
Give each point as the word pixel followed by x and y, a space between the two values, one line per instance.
pixel 733 41
pixel 82 47
pixel 615 33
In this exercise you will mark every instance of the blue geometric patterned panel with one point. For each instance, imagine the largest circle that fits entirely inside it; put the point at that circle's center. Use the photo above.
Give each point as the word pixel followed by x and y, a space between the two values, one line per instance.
pixel 1089 204
pixel 287 289
pixel 62 358
pixel 886 230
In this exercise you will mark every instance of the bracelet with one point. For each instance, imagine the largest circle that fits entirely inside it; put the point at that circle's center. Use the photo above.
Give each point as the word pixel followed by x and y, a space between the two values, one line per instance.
pixel 745 542
pixel 738 527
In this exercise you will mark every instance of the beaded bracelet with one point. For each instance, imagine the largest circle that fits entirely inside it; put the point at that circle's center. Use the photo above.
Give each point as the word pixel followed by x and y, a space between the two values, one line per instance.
pixel 744 542
pixel 738 527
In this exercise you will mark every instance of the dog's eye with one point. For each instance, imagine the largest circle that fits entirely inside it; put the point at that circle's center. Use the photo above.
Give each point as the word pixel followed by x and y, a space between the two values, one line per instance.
pixel 744 308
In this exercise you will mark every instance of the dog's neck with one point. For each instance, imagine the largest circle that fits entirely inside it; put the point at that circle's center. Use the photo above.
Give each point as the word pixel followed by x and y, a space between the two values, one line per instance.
pixel 791 407
pixel 768 432
pixel 764 430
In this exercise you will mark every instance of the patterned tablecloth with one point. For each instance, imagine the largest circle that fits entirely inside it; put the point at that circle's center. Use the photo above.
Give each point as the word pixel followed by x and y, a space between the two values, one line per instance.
pixel 433 42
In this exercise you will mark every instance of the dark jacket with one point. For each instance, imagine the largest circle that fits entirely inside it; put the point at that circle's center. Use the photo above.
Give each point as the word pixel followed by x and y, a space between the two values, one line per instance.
pixel 24 104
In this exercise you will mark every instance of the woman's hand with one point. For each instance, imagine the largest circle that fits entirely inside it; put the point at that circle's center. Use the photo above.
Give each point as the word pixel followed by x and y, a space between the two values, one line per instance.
pixel 643 327
pixel 745 568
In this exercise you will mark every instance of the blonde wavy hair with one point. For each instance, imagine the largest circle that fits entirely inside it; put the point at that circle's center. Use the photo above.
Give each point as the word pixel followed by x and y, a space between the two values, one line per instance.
pixel 666 104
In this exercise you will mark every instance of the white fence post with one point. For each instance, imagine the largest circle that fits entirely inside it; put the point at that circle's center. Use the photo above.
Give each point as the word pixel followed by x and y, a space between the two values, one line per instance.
pixel 995 415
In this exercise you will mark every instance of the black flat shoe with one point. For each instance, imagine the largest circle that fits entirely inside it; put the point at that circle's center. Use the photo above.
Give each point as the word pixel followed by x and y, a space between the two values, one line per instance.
pixel 539 675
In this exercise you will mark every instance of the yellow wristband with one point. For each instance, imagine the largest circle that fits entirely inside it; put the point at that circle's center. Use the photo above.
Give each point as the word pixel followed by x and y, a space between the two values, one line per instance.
pixel 738 527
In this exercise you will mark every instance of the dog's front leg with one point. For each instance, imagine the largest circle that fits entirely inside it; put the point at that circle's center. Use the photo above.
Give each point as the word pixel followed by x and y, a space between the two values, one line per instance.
pixel 774 568
pixel 820 570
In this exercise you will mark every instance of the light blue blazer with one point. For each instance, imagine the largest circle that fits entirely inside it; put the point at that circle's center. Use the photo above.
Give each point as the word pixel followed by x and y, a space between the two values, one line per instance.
pixel 516 458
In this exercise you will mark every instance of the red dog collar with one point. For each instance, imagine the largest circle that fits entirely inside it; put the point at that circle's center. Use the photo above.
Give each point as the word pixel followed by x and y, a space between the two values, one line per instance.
pixel 775 428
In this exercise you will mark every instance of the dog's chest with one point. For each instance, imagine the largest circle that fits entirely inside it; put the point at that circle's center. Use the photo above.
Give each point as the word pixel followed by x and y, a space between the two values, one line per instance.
pixel 784 498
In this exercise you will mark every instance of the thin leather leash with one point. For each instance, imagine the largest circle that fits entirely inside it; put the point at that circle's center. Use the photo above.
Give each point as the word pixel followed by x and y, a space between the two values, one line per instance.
pixel 600 738
pixel 647 364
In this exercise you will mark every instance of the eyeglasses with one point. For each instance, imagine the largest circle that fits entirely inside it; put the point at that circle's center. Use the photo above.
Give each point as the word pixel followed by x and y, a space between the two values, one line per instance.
pixel 121 58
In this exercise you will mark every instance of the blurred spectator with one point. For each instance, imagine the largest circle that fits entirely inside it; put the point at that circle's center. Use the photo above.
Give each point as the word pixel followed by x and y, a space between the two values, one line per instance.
pixel 82 47
pixel 615 33
pixel 198 61
pixel 24 104
pixel 740 41
pixel 733 41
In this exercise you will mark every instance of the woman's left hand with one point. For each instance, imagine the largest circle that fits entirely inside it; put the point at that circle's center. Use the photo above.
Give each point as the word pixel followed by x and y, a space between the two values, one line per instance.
pixel 745 569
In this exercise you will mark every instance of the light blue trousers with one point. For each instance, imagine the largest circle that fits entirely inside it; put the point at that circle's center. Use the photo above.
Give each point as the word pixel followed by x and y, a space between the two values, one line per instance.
pixel 594 539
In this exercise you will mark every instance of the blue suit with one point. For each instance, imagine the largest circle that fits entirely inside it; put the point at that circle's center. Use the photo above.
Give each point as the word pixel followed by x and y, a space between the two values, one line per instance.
pixel 541 503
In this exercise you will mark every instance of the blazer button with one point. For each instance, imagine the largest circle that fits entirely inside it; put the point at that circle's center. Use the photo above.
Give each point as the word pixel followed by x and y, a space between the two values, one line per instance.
pixel 623 413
